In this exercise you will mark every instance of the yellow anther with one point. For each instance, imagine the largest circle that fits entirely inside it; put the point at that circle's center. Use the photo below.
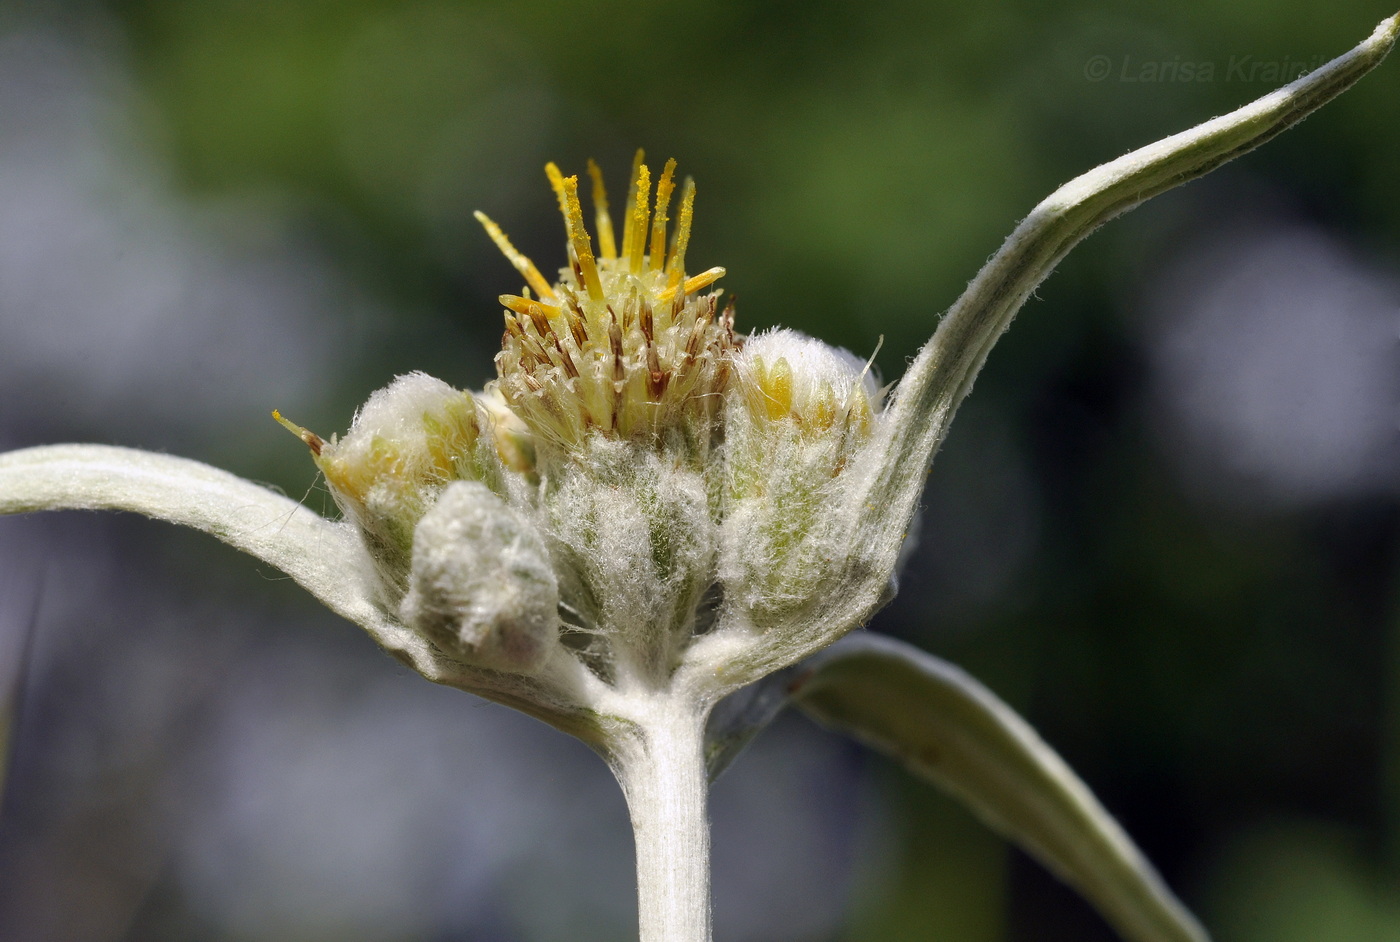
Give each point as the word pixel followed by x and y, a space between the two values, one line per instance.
pixel 693 284
pixel 538 313
pixel 606 243
pixel 703 280
pixel 526 306
pixel 521 262
pixel 556 180
pixel 637 245
pixel 675 265
pixel 313 441
pixel 628 228
pixel 578 238
pixel 620 344
pixel 664 186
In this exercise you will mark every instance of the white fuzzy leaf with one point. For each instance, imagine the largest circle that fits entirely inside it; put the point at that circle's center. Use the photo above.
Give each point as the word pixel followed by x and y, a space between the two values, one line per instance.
pixel 323 556
pixel 942 374
pixel 952 731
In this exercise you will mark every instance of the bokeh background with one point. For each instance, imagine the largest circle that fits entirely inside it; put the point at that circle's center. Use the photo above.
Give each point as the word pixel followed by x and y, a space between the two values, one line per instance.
pixel 1164 526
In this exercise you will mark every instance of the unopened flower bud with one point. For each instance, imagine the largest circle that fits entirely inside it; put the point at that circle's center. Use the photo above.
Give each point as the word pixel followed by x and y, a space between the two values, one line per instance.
pixel 783 376
pixel 482 587
pixel 799 412
pixel 410 440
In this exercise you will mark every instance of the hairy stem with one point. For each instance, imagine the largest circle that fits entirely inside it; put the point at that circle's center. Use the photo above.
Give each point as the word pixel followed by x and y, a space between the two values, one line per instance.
pixel 662 771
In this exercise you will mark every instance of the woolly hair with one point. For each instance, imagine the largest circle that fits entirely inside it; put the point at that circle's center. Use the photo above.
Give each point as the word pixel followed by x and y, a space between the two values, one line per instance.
pixel 634 539
pixel 482 587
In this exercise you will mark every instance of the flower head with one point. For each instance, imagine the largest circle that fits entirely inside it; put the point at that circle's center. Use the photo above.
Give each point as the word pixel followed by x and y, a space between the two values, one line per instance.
pixel 678 482
pixel 624 343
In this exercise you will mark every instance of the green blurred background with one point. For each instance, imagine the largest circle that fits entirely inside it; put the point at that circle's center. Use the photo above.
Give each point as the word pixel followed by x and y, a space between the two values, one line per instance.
pixel 1164 527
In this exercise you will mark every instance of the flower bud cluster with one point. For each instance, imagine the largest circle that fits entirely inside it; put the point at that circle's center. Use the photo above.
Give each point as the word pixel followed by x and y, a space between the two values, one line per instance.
pixel 638 478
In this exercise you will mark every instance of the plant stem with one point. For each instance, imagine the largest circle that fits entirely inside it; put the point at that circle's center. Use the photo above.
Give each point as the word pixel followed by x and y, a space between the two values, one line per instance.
pixel 663 775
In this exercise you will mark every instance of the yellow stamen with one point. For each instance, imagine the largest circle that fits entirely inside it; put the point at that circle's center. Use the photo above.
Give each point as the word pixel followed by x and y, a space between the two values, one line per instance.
pixel 703 280
pixel 313 441
pixel 627 344
pixel 606 243
pixel 628 229
pixel 664 186
pixel 693 284
pixel 556 180
pixel 675 265
pixel 525 306
pixel 639 221
pixel 578 238
pixel 537 312
pixel 521 262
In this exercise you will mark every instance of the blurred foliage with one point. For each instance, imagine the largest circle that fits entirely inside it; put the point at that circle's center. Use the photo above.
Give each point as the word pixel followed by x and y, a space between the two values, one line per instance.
pixel 1204 667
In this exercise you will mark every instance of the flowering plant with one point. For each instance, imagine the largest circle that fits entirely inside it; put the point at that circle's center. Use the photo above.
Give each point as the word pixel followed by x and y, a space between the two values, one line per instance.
pixel 653 532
